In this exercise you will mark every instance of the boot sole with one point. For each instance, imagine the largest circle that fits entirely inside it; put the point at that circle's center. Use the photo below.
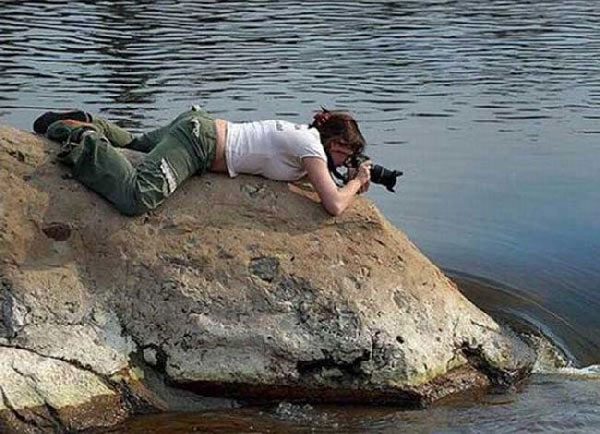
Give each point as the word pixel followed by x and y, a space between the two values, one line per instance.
pixel 42 123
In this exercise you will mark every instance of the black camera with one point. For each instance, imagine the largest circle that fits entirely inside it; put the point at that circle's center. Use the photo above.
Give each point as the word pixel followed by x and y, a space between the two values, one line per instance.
pixel 379 174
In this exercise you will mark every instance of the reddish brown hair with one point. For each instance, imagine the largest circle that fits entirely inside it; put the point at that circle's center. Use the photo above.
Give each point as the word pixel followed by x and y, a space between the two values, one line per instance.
pixel 339 126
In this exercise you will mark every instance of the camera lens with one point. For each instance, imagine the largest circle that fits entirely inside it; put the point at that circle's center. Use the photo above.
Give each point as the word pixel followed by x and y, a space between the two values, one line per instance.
pixel 385 177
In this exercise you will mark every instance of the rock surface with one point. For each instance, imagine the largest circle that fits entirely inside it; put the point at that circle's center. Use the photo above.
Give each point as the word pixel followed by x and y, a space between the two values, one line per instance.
pixel 237 287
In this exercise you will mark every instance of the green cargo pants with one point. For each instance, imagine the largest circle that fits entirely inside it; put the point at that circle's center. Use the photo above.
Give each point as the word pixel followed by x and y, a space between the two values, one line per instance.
pixel 184 147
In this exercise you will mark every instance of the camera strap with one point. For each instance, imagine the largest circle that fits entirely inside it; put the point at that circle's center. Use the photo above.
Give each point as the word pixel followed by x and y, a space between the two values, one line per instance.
pixel 333 170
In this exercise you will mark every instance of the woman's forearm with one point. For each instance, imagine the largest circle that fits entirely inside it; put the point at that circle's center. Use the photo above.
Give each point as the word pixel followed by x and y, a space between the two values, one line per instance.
pixel 333 198
pixel 336 204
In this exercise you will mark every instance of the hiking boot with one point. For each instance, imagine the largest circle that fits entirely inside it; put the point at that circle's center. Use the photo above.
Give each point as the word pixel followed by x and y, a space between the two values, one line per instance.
pixel 42 123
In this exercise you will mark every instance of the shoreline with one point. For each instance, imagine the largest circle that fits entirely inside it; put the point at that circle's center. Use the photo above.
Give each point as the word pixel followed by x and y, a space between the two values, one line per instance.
pixel 526 316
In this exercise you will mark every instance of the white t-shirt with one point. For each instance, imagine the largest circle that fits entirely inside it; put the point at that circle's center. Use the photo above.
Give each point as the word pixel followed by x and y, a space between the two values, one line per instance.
pixel 273 149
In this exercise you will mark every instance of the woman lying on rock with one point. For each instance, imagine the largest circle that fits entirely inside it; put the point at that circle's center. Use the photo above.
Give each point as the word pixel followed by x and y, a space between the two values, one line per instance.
pixel 195 142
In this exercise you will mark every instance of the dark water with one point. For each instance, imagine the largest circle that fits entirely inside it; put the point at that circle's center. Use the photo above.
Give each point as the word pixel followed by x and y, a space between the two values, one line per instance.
pixel 491 108
pixel 571 406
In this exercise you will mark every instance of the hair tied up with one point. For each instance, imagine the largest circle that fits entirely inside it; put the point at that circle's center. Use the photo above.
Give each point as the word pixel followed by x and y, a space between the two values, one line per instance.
pixel 321 118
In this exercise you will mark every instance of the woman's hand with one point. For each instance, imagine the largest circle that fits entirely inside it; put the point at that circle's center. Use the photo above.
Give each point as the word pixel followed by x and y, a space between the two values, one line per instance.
pixel 363 175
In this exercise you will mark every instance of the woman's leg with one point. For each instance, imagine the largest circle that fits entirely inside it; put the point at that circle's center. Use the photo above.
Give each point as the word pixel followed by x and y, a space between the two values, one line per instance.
pixel 117 136
pixel 122 138
pixel 187 148
pixel 146 142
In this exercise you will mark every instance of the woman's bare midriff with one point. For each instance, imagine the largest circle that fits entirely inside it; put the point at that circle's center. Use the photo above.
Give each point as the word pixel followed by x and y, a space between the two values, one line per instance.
pixel 220 162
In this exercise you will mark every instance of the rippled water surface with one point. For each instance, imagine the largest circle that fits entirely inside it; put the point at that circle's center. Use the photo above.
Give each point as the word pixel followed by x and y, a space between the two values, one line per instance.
pixel 491 108
pixel 549 403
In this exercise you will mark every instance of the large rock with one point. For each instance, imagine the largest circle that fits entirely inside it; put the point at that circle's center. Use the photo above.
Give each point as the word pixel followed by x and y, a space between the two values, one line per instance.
pixel 236 287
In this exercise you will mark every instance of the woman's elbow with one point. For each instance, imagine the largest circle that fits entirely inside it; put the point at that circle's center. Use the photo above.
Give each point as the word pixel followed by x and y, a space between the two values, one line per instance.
pixel 333 208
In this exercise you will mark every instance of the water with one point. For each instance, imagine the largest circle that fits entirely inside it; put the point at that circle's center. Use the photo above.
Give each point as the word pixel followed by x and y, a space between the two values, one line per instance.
pixel 490 108
pixel 549 403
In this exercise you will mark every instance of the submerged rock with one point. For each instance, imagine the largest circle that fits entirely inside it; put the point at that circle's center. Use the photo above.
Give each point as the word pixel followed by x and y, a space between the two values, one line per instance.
pixel 235 287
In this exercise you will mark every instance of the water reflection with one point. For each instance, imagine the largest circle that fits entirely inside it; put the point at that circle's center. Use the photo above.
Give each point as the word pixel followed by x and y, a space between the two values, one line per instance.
pixel 490 108
pixel 548 403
